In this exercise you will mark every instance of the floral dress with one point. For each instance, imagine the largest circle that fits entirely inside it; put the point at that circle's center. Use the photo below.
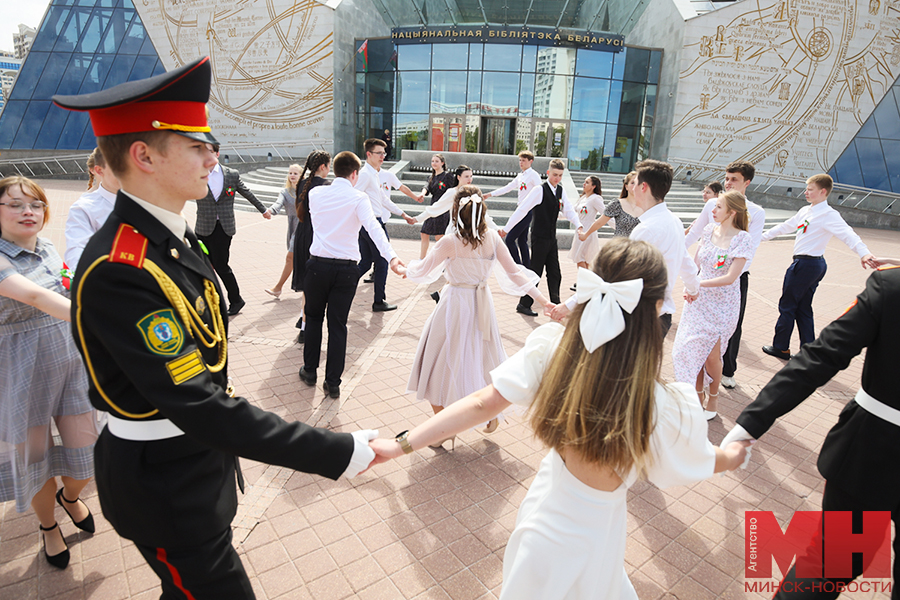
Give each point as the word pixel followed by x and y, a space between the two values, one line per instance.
pixel 625 223
pixel 713 316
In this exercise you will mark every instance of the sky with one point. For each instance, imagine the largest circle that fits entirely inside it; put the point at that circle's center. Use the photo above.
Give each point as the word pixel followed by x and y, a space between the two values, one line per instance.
pixel 13 12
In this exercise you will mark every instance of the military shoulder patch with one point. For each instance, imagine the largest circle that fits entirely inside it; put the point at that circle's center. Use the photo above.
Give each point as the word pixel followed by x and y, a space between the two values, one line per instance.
pixel 129 247
pixel 888 267
pixel 852 304
pixel 185 367
pixel 162 332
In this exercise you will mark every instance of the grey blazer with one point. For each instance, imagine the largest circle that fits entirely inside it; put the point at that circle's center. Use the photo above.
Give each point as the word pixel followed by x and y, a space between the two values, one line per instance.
pixel 208 210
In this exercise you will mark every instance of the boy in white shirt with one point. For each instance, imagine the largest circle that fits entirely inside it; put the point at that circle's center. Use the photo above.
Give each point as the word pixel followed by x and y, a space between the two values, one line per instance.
pixel 815 225
pixel 527 180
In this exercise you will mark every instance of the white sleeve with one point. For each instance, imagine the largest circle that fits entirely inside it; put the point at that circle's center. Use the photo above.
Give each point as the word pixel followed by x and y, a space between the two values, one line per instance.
pixel 389 204
pixel 839 229
pixel 531 200
pixel 444 204
pixel 688 273
pixel 569 211
pixel 756 226
pixel 373 227
pixel 702 221
pixel 513 279
pixel 788 226
pixel 682 452
pixel 518 378
pixel 430 268
pixel 78 232
pixel 506 188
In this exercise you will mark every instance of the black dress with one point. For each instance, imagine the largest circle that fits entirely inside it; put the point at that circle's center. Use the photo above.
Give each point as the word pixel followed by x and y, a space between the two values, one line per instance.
pixel 303 237
pixel 436 187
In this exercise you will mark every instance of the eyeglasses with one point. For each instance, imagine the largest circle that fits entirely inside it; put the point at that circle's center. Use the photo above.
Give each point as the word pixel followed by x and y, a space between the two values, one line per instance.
pixel 378 153
pixel 19 207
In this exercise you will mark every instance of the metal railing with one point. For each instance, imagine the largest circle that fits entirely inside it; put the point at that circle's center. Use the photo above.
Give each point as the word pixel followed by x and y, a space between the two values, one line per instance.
pixel 851 196
pixel 75 164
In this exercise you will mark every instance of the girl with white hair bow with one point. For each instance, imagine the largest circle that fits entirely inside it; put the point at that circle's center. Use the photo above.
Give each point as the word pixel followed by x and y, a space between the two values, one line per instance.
pixel 596 400
pixel 460 343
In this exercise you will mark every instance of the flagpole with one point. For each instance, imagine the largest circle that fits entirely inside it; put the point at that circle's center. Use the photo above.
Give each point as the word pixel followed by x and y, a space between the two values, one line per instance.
pixel 352 58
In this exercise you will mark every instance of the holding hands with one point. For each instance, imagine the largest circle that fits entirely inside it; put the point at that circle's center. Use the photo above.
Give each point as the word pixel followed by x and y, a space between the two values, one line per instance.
pixel 870 261
pixel 409 219
pixel 267 215
pixel 398 267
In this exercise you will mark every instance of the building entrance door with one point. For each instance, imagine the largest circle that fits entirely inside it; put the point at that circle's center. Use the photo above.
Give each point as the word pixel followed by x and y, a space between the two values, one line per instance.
pixel 550 138
pixel 448 133
pixel 498 136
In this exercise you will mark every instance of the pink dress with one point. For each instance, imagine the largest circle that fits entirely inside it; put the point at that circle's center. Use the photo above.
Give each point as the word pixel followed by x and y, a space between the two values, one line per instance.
pixel 713 315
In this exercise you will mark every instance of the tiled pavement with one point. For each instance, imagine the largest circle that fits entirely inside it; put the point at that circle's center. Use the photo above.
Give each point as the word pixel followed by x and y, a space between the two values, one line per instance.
pixel 434 524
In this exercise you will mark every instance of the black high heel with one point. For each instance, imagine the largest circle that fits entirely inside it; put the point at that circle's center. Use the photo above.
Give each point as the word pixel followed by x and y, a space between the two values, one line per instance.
pixel 61 560
pixel 87 523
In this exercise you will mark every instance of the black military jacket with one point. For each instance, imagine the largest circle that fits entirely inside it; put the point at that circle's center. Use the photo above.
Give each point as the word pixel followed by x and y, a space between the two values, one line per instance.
pixel 144 363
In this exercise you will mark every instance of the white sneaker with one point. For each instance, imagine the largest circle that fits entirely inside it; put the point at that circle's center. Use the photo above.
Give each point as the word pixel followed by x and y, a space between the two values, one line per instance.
pixel 728 382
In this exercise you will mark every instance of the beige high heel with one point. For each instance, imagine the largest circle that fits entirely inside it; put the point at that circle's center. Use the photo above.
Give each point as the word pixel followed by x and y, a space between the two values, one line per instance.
pixel 440 444
pixel 273 293
pixel 492 425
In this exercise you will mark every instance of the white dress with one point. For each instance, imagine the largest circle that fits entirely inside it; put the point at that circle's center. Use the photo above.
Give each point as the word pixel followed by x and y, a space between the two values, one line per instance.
pixel 569 540
pixel 589 210
pixel 460 342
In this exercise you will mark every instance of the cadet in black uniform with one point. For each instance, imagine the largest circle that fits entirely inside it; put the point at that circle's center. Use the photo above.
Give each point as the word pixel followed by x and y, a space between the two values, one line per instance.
pixel 147 316
pixel 860 458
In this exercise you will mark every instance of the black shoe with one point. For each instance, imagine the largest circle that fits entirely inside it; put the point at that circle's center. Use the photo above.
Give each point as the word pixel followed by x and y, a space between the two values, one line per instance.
pixel 236 307
pixel 773 351
pixel 307 377
pixel 436 296
pixel 574 288
pixel 301 337
pixel 525 310
pixel 87 523
pixel 61 560
pixel 383 306
pixel 333 391
pixel 369 279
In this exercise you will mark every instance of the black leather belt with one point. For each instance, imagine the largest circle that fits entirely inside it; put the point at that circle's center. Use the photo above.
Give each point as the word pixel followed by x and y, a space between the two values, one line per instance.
pixel 807 257
pixel 334 261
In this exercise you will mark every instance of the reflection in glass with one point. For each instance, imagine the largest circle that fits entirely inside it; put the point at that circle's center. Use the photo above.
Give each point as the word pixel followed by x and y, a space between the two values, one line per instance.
pixel 500 94
pixel 590 99
pixel 78 21
pixel 410 132
pixel 615 101
pixel 552 96
pixel 31 124
pixel 50 28
pixel 49 137
pixel 10 119
pixel 448 91
pixel 637 64
pixel 94 31
pixel 437 133
pixel 414 58
pixel 28 77
pixel 523 134
pixel 556 61
pixel 586 147
pixel 526 95
pixel 632 103
pixel 476 55
pixel 449 57
pixel 619 60
pixel 502 57
pixel 133 40
pixel 413 90
pixel 594 64
pixel 447 134
pixel 892 158
pixel 887 119
pixel 655 62
pixel 380 93
pixel 539 141
pixel 51 76
pixel 499 135
pixel 71 81
pixel 474 92
pixel 529 59
pixel 472 128
pixel 116 31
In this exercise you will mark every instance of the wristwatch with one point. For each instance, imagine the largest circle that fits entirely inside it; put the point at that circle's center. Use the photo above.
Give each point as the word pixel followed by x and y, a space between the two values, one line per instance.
pixel 404 443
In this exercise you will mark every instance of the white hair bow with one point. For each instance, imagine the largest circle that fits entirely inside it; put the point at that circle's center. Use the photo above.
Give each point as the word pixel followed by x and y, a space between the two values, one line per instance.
pixel 602 319
pixel 476 215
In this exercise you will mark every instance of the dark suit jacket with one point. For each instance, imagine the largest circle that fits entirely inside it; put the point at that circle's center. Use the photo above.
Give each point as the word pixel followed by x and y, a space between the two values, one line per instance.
pixel 861 453
pixel 208 210
pixel 180 491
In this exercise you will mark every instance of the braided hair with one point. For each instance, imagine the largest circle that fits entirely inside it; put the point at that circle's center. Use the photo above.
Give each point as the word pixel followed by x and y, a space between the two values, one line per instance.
pixel 94 160
pixel 316 159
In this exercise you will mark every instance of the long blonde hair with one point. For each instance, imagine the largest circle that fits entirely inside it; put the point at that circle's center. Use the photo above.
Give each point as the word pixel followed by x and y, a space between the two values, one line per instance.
pixel 737 202
pixel 601 404
pixel 287 179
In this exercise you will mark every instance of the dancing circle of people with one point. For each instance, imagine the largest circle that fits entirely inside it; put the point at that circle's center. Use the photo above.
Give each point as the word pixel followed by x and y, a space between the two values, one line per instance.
pixel 141 398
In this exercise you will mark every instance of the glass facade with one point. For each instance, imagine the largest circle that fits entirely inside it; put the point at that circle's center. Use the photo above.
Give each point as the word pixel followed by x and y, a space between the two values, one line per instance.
pixel 594 108
pixel 872 159
pixel 82 46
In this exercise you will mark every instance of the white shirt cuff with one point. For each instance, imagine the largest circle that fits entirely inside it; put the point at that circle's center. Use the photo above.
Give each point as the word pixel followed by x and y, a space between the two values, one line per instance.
pixel 572 302
pixel 363 455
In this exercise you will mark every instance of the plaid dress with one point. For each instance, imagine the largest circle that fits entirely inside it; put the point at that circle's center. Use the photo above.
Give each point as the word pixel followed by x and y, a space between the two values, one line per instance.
pixel 41 377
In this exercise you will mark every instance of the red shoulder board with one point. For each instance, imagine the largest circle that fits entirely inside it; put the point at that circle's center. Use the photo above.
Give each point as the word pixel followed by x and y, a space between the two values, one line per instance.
pixel 852 304
pixel 887 267
pixel 129 247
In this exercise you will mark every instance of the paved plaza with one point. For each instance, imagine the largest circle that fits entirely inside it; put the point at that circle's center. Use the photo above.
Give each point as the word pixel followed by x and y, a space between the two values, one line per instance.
pixel 434 524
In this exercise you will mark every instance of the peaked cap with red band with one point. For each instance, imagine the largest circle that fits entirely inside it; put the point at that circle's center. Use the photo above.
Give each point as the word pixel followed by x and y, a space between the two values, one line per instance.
pixel 173 101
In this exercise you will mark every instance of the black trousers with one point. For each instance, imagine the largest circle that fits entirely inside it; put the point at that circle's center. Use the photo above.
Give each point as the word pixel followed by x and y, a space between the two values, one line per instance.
pixel 218 243
pixel 834 498
pixel 369 255
pixel 517 242
pixel 800 282
pixel 330 286
pixel 210 570
pixel 545 253
pixel 729 364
